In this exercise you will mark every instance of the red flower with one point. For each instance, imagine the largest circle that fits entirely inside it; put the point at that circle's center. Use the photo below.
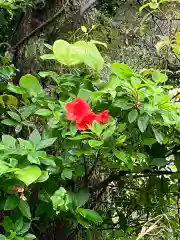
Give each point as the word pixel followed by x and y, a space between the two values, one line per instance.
pixel 80 112
pixel 87 120
pixel 103 117
pixel 77 109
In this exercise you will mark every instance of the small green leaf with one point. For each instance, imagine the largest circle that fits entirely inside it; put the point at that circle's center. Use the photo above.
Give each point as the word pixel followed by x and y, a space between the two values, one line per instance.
pixel 48 57
pixel 95 143
pixel 90 215
pixel 96 128
pixel 160 162
pixel 149 141
pixel 11 203
pixel 18 224
pixel 45 143
pixel 25 209
pixel 29 174
pixel 84 29
pixel 15 116
pixel 143 121
pixel 79 137
pixel 9 122
pixel 43 112
pixel 159 136
pixel 154 5
pixel 8 224
pixel 109 131
pixel 44 177
pixel 9 141
pixel 25 228
pixel 121 155
pixel 35 137
pixel 29 237
pixel 159 77
pixel 132 116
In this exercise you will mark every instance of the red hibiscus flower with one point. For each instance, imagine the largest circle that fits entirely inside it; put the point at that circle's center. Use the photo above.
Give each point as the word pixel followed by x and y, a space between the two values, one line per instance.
pixel 80 112
pixel 103 117
pixel 77 109
pixel 87 120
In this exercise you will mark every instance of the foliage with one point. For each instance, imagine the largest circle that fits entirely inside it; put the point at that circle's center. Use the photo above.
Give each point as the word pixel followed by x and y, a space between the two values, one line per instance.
pixel 47 164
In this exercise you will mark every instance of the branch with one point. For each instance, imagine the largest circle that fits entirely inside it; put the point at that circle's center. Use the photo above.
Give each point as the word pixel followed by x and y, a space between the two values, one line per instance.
pixel 40 27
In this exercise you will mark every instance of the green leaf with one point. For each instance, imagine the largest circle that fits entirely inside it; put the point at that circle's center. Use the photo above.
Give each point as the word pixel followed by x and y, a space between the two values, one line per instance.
pixel 48 57
pixel 44 177
pixel 16 89
pixel 35 137
pixel 121 139
pixel 96 128
pixel 159 136
pixel 25 209
pixel 79 52
pixel 9 141
pixel 31 84
pixel 79 137
pixel 122 70
pixel 25 228
pixel 81 198
pixel 45 143
pixel 2 237
pixel 121 155
pixel 91 215
pixel 33 158
pixel 67 173
pixel 160 162
pixel 85 94
pixel 149 141
pixel 43 112
pixel 11 203
pixel 143 121
pixel 18 224
pixel 95 143
pixel 132 116
pixel 113 83
pixel 9 122
pixel 109 131
pixel 29 174
pixel 154 5
pixel 8 224
pixel 15 116
pixel 29 236
pixel 159 77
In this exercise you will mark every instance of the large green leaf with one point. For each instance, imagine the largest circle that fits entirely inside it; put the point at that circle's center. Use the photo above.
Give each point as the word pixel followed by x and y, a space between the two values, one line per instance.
pixel 2 237
pixel 90 215
pixel 29 174
pixel 31 84
pixel 25 209
pixel 79 52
